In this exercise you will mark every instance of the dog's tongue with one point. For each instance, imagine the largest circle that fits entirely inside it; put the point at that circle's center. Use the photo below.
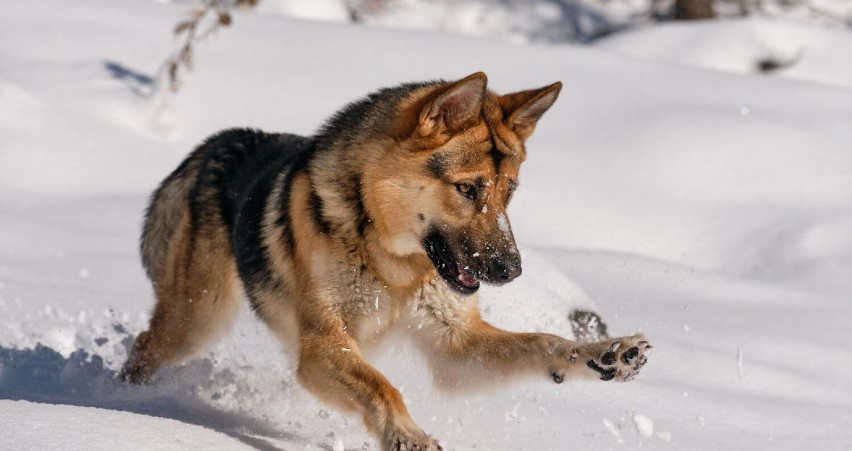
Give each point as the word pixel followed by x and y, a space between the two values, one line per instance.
pixel 467 279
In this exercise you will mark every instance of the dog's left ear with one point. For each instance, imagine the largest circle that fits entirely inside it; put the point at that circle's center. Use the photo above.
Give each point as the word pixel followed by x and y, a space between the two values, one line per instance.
pixel 522 110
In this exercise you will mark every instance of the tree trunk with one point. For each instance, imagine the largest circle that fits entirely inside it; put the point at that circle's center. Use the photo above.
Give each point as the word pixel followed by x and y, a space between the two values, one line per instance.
pixel 693 9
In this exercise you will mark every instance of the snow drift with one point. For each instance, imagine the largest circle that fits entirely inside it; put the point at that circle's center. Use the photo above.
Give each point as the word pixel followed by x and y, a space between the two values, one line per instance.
pixel 709 209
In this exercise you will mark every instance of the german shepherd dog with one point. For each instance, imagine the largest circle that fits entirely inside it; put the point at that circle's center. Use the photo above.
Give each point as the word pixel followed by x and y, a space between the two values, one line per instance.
pixel 392 214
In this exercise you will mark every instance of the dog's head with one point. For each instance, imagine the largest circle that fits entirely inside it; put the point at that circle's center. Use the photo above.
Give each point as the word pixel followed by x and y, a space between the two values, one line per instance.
pixel 444 187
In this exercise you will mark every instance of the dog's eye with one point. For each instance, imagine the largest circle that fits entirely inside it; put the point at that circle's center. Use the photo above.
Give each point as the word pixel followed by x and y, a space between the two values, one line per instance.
pixel 466 190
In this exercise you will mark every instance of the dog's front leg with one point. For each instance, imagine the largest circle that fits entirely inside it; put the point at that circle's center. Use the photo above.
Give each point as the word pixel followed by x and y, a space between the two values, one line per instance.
pixel 332 367
pixel 466 351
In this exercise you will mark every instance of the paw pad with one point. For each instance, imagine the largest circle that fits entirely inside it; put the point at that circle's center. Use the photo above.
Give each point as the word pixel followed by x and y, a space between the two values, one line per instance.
pixel 624 366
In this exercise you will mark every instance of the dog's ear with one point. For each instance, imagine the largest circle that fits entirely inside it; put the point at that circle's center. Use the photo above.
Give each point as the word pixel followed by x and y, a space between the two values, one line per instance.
pixel 522 110
pixel 454 105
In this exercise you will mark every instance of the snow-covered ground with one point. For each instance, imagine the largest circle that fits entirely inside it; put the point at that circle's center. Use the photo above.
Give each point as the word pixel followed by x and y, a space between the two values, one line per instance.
pixel 795 51
pixel 711 209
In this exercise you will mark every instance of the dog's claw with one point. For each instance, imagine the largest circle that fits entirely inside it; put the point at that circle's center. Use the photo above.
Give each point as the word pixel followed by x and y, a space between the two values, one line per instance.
pixel 414 442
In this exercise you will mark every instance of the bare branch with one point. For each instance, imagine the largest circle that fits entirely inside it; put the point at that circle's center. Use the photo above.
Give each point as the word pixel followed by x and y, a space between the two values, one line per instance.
pixel 216 14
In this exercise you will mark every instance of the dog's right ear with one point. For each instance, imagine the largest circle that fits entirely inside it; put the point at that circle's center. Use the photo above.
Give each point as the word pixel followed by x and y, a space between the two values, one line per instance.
pixel 525 108
pixel 453 106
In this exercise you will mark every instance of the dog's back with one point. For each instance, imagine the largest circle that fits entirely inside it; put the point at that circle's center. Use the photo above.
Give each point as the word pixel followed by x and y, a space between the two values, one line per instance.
pixel 218 177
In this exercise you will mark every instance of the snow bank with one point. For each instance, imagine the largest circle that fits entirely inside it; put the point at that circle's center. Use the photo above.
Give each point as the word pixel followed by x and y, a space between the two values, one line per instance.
pixel 782 49
pixel 659 195
pixel 71 427
pixel 552 21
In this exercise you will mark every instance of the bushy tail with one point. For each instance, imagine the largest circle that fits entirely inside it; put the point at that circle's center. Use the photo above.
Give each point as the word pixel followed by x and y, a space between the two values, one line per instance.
pixel 168 208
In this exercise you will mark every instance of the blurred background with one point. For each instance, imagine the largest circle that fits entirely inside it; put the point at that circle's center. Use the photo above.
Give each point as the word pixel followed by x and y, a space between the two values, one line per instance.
pixel 550 21
pixel 724 26
pixel 694 181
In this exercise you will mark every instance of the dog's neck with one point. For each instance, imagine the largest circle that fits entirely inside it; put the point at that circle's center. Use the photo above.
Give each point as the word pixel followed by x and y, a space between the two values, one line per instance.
pixel 340 205
pixel 405 274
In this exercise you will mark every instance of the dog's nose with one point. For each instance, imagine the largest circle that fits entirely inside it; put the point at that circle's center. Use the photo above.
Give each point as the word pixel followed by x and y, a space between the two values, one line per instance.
pixel 503 271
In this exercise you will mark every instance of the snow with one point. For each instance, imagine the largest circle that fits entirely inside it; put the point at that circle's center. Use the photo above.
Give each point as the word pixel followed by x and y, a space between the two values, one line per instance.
pixel 739 362
pixel 555 21
pixel 338 445
pixel 503 225
pixel 657 192
pixel 613 429
pixel 325 10
pixel 54 426
pixel 644 425
pixel 804 51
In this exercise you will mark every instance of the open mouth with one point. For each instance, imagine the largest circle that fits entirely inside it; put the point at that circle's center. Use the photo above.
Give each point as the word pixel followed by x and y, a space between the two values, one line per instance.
pixel 458 278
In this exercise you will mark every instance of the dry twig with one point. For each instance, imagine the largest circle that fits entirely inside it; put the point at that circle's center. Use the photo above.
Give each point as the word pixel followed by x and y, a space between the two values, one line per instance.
pixel 193 31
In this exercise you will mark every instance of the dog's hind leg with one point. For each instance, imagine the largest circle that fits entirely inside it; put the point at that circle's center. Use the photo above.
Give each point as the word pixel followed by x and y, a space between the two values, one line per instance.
pixel 196 301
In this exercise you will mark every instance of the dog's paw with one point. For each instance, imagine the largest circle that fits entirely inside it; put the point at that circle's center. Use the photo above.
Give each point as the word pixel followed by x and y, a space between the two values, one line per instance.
pixel 620 359
pixel 134 373
pixel 406 441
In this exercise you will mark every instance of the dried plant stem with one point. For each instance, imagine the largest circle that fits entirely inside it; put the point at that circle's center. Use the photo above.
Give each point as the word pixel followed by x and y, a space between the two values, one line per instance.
pixel 193 32
pixel 211 15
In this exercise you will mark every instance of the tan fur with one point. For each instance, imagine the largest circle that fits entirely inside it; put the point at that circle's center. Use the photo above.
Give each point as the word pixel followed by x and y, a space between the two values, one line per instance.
pixel 337 292
pixel 196 302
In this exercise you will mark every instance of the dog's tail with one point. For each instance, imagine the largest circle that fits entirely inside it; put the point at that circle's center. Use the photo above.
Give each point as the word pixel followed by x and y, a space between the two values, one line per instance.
pixel 167 210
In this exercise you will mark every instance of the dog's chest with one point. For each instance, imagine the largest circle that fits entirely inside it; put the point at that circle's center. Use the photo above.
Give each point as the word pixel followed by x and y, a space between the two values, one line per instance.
pixel 367 307
pixel 373 309
pixel 436 303
pixel 376 313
